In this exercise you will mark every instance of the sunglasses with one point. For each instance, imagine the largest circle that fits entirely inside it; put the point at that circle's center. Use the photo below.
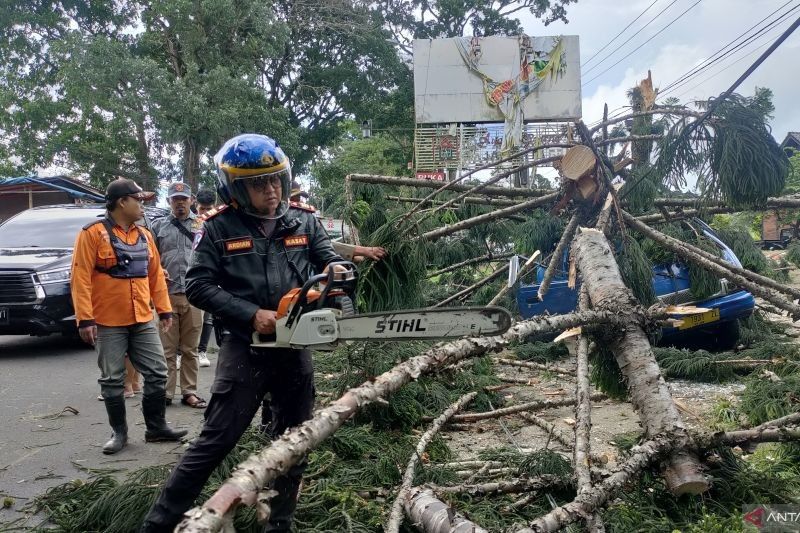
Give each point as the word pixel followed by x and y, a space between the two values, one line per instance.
pixel 260 183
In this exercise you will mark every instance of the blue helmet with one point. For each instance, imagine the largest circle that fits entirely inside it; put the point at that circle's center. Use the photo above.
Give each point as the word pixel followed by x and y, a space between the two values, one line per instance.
pixel 251 156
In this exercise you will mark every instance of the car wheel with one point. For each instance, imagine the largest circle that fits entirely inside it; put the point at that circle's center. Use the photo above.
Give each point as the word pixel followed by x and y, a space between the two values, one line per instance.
pixel 727 335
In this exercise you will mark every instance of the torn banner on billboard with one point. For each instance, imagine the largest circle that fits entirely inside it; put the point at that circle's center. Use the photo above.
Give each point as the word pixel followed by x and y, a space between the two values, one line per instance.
pixel 540 57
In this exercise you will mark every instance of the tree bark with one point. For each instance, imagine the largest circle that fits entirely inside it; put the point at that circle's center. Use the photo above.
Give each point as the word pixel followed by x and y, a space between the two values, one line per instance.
pixel 481 186
pixel 787 420
pixel 744 436
pixel 475 200
pixel 657 218
pixel 761 286
pixel 591 501
pixel 396 514
pixel 487 217
pixel 412 182
pixel 191 163
pixel 555 259
pixel 537 405
pixel 504 487
pixel 648 390
pixel 533 366
pixel 431 515
pixel 697 203
pixel 474 261
pixel 475 286
pixel 449 185
pixel 663 111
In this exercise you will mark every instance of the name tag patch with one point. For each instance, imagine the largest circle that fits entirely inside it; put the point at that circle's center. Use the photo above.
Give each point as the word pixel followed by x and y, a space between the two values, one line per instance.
pixel 295 241
pixel 239 245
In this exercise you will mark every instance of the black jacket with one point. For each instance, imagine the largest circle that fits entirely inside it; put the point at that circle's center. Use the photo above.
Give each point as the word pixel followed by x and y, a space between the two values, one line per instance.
pixel 234 270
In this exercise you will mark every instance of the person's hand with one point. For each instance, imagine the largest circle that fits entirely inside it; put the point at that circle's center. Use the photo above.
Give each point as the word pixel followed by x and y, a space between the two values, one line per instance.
pixel 166 323
pixel 376 253
pixel 264 321
pixel 88 334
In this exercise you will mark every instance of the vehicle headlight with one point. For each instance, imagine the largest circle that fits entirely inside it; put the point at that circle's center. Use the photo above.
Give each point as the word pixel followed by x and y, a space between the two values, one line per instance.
pixel 60 275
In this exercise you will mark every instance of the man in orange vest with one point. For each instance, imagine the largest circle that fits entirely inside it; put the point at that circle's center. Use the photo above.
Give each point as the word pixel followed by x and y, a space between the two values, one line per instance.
pixel 116 274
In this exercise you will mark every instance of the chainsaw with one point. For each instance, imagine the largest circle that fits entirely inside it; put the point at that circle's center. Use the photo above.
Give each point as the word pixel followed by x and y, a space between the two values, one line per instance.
pixel 321 315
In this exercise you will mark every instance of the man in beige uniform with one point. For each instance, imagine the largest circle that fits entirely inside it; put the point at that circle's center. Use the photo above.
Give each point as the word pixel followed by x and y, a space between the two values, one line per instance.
pixel 174 235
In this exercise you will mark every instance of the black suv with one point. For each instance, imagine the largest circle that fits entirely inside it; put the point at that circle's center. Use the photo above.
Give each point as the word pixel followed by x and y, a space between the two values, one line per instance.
pixel 35 260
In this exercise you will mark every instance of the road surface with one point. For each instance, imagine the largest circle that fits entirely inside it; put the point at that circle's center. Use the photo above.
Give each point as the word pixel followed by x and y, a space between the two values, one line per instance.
pixel 40 446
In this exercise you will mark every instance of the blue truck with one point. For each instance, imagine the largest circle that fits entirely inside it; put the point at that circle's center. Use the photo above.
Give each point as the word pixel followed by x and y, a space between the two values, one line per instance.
pixel 719 327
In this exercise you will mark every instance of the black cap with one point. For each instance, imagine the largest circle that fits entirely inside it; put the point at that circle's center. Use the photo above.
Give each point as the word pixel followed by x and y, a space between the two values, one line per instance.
pixel 121 187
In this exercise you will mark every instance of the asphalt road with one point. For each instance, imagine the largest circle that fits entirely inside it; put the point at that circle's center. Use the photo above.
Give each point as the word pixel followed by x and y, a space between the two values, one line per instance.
pixel 41 446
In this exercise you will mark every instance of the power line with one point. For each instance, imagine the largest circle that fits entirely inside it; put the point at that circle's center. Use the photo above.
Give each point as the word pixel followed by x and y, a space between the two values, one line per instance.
pixel 673 21
pixel 722 97
pixel 702 63
pixel 716 57
pixel 725 68
pixel 620 33
pixel 631 37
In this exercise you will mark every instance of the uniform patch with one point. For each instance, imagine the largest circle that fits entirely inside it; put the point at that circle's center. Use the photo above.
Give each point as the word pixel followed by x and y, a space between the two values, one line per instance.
pixel 304 207
pixel 198 236
pixel 295 241
pixel 239 245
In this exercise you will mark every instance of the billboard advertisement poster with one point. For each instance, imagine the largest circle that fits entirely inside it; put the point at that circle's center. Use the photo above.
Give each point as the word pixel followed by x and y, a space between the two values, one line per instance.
pixel 436 175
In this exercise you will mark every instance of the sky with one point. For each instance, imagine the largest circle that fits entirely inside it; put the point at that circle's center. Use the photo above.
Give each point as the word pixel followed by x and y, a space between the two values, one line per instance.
pixel 704 29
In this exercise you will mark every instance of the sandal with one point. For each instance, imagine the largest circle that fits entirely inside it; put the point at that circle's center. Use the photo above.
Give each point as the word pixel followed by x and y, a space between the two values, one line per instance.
pixel 196 403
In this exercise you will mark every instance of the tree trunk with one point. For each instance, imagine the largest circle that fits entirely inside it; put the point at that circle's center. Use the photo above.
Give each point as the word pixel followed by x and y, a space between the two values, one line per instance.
pixel 148 173
pixel 555 259
pixel 533 366
pixel 191 163
pixel 648 390
pixel 431 515
pixel 697 203
pixel 537 405
pixel 483 185
pixel 429 184
pixel 762 286
pixel 474 200
pixel 487 217
pixel 504 487
pixel 396 514
pixel 473 261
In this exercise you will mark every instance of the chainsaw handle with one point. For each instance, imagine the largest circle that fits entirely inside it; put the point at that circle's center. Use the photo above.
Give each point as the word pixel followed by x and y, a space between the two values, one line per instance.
pixel 330 281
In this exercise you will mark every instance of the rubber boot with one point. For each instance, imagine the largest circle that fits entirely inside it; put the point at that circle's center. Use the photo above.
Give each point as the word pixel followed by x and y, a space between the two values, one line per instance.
pixel 153 408
pixel 115 407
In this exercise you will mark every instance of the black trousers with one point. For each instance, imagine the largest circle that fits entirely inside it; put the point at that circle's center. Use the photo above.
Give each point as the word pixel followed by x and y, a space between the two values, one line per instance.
pixel 243 377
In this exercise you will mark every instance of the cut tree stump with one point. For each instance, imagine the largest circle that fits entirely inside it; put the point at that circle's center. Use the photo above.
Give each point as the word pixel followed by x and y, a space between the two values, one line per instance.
pixel 648 390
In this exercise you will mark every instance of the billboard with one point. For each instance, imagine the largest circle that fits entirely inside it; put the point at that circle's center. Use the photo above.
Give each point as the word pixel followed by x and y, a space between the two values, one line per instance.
pixel 497 79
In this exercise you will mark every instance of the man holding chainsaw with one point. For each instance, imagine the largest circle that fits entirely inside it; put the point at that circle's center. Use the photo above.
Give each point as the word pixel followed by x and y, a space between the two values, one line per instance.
pixel 246 257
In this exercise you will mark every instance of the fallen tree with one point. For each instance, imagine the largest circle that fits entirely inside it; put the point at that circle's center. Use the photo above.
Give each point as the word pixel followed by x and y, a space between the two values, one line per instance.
pixel 648 390
pixel 429 184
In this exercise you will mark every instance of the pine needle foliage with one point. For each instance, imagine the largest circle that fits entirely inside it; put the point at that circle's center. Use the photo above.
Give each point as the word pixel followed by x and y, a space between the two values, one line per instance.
pixel 649 506
pixel 605 373
pixel 637 271
pixel 540 231
pixel 747 164
pixel 696 365
pixel 770 396
pixel 793 253
pixel 541 352
pixel 396 282
pixel 733 152
pixel 738 238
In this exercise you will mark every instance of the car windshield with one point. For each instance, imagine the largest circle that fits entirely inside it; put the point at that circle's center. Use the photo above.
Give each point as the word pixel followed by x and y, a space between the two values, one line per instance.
pixel 46 228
